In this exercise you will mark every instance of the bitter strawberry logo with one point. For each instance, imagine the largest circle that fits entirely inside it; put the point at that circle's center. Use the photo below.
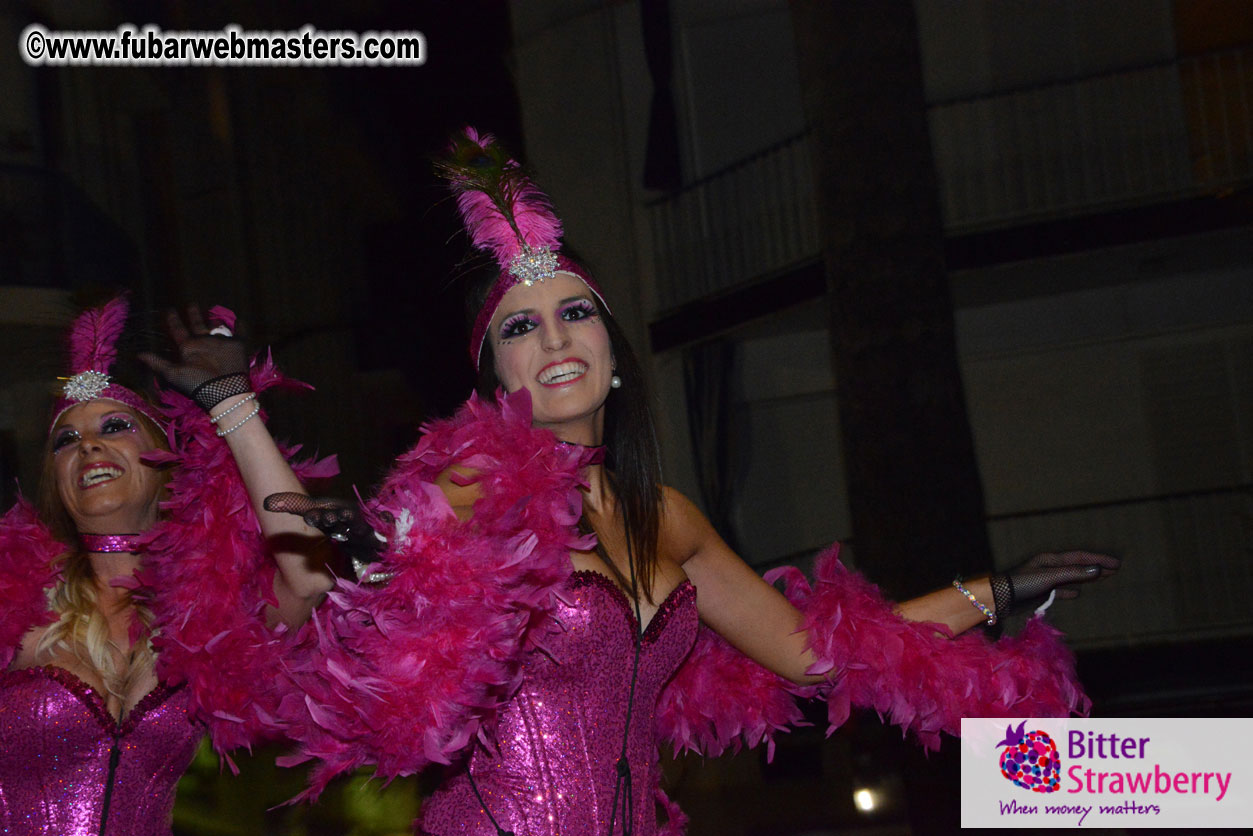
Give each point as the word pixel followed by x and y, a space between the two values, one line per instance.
pixel 1030 759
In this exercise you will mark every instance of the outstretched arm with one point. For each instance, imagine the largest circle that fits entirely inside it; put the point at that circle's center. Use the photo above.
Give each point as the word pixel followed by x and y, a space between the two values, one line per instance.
pixel 733 599
pixel 756 618
pixel 213 370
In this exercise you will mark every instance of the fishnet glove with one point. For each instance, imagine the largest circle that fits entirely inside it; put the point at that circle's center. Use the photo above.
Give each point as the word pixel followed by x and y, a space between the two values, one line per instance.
pixel 1045 573
pixel 341 521
pixel 210 367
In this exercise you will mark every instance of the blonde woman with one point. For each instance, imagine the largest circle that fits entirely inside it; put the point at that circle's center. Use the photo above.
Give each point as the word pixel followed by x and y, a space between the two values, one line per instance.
pixel 140 605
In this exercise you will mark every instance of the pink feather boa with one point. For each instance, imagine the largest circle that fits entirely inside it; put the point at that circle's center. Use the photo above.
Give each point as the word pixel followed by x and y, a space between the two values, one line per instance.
pixel 407 674
pixel 206 576
pixel 676 819
pixel 720 699
pixel 27 552
pixel 914 674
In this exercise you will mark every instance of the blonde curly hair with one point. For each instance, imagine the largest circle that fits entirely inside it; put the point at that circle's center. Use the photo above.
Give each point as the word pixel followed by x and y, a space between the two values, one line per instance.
pixel 82 627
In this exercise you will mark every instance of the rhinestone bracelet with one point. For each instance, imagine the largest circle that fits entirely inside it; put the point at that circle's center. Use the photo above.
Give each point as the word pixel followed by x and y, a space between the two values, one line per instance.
pixel 970 596
pixel 251 396
pixel 247 418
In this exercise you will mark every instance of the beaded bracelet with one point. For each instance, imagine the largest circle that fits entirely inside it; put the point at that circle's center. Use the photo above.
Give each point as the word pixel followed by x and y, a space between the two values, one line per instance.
pixel 970 596
pixel 247 418
pixel 251 396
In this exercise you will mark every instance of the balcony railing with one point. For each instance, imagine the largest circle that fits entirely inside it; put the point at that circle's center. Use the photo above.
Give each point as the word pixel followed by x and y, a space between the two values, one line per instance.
pixel 1129 138
pixel 748 220
pixel 1132 138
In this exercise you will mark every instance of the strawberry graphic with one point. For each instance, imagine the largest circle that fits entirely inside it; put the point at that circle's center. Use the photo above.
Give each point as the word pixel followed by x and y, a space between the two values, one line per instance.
pixel 1030 760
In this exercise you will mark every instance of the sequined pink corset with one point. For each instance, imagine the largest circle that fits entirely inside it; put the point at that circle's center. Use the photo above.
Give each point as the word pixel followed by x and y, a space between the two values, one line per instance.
pixel 58 761
pixel 561 736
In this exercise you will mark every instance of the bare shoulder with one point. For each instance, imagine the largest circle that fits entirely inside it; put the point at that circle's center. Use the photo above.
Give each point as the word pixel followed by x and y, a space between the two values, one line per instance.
pixel 685 530
pixel 677 508
pixel 461 487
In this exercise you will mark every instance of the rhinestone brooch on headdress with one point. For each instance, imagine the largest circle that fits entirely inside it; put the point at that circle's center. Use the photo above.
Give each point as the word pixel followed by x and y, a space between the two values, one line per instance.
pixel 86 386
pixel 533 264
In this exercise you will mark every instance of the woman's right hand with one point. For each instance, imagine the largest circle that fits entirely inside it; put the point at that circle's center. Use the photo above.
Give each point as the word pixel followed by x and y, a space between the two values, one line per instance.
pixel 343 522
pixel 211 365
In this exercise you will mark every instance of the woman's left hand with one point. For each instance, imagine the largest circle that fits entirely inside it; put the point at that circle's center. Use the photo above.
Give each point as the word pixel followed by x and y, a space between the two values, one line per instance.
pixel 1047 573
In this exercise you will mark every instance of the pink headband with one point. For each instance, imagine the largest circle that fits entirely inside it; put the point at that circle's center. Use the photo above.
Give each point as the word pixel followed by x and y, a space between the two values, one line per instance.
pixel 93 350
pixel 506 215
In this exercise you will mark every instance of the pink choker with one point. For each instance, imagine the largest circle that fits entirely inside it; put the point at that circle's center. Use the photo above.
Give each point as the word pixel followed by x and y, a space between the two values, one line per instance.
pixel 597 453
pixel 108 543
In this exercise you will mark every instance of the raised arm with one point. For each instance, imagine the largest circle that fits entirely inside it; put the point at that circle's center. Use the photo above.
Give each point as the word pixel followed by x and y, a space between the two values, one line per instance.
pixel 299 550
pixel 212 368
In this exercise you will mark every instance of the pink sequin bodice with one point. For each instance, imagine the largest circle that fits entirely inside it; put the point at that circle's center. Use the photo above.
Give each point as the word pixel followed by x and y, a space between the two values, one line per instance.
pixel 560 737
pixel 57 761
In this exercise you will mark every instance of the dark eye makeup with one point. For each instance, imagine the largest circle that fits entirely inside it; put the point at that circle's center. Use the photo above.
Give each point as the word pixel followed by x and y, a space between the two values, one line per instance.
pixel 582 309
pixel 115 422
pixel 63 438
pixel 517 325
pixel 525 322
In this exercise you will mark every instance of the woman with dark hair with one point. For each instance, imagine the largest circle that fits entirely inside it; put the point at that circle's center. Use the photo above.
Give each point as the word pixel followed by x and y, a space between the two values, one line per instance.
pixel 140 604
pixel 548 611
pixel 626 432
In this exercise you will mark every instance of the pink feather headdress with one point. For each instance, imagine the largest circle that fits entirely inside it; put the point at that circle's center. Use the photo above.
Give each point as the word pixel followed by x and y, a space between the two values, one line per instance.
pixel 507 216
pixel 93 350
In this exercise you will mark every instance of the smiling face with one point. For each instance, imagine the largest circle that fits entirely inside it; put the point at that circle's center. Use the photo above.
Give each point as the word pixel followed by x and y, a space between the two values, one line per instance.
pixel 100 480
pixel 549 339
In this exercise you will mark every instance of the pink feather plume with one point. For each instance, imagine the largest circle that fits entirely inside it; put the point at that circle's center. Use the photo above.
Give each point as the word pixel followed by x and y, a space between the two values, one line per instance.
pixel 94 336
pixel 500 205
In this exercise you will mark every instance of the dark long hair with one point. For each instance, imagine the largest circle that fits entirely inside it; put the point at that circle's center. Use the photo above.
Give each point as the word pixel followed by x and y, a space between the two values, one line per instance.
pixel 632 460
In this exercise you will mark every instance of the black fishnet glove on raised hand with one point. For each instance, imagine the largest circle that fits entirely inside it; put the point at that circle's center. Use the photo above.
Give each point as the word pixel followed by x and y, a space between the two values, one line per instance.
pixel 1047 572
pixel 210 367
pixel 343 522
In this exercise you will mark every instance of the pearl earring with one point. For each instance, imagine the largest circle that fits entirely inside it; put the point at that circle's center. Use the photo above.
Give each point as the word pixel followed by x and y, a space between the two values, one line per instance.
pixel 615 382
